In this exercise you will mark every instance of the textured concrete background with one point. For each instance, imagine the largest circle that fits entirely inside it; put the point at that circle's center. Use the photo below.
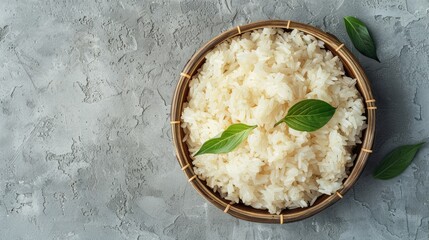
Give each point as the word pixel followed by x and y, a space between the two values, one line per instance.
pixel 85 143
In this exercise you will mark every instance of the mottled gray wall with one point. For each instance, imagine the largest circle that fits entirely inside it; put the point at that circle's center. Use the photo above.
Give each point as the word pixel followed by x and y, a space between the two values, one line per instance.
pixel 85 143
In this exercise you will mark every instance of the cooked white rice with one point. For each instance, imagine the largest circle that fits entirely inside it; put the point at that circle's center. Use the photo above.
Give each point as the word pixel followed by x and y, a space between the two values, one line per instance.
pixel 254 79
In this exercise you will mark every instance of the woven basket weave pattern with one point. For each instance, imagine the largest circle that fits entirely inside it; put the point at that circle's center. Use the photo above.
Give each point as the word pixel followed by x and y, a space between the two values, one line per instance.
pixel 353 69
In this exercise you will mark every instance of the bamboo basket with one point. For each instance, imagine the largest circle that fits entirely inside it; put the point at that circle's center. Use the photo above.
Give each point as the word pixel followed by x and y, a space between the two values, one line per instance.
pixel 352 68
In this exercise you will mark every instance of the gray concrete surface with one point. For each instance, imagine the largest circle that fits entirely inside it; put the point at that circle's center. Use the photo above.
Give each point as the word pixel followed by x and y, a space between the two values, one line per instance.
pixel 85 143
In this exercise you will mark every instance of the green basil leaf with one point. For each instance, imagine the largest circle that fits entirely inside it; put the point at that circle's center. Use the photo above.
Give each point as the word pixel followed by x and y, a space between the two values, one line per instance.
pixel 228 140
pixel 308 115
pixel 396 161
pixel 360 37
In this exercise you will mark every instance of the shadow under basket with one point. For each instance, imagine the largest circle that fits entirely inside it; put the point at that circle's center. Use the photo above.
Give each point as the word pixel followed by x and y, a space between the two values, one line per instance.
pixel 239 210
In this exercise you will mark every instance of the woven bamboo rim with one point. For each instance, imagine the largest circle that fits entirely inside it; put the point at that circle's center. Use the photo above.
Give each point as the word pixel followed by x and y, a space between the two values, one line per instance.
pixel 239 210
